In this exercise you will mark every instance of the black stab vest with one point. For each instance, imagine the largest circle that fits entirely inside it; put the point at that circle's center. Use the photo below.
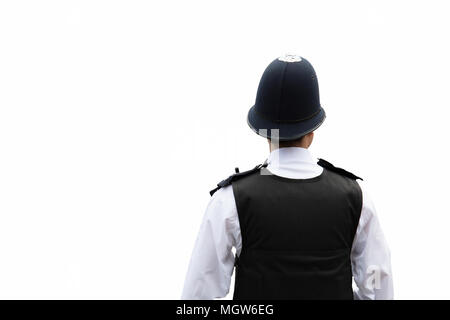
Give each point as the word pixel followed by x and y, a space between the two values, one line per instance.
pixel 297 235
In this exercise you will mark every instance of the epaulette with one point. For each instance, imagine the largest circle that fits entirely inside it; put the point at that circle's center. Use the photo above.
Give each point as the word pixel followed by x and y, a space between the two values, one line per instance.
pixel 325 164
pixel 238 175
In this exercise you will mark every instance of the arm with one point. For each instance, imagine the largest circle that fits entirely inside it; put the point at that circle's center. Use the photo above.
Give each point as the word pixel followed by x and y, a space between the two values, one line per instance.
pixel 212 261
pixel 371 260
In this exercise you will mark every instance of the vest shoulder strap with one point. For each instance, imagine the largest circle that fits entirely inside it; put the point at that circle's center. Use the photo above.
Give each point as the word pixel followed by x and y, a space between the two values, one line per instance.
pixel 238 175
pixel 327 165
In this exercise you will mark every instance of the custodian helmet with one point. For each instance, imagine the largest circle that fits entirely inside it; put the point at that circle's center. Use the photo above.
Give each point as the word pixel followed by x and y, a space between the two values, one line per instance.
pixel 287 100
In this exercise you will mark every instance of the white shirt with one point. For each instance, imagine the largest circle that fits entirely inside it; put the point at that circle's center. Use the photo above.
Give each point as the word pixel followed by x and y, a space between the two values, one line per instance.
pixel 212 261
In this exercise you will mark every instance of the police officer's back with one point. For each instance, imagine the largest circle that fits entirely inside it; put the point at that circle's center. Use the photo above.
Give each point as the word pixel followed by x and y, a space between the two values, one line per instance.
pixel 302 228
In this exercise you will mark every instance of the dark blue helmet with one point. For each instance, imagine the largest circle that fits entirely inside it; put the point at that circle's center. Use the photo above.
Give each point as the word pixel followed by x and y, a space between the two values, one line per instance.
pixel 287 100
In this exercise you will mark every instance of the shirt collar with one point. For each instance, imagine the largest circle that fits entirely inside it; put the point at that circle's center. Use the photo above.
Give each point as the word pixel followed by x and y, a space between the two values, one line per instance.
pixel 293 162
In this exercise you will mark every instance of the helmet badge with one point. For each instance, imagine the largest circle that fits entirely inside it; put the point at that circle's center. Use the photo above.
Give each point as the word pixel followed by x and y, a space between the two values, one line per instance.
pixel 290 58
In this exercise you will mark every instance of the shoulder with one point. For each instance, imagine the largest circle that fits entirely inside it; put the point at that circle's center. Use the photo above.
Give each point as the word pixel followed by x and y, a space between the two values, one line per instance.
pixel 345 181
pixel 236 176
pixel 327 165
pixel 222 200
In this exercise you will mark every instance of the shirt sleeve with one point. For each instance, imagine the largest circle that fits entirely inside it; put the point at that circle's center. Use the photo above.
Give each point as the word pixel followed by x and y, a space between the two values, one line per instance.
pixel 371 259
pixel 212 261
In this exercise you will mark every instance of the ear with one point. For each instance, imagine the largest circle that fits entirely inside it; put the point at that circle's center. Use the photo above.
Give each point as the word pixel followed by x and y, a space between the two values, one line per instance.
pixel 309 138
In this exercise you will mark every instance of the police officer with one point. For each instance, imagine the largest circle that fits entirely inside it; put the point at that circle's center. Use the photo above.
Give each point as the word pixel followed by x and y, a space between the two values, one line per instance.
pixel 301 228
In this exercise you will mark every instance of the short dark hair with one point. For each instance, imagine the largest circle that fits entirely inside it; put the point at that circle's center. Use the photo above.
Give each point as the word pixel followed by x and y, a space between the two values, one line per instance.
pixel 289 143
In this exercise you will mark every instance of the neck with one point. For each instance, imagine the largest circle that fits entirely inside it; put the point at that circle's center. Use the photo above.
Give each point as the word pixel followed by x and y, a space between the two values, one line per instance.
pixel 287 144
pixel 303 142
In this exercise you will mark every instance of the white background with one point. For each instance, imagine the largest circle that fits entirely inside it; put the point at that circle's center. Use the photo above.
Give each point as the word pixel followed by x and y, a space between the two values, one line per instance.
pixel 118 117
